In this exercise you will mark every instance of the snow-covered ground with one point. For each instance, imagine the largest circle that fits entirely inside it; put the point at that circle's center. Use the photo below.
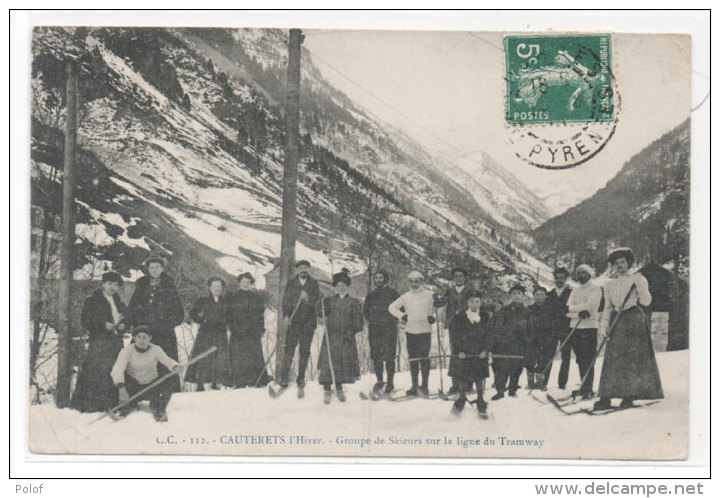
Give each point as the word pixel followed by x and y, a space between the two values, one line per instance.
pixel 249 422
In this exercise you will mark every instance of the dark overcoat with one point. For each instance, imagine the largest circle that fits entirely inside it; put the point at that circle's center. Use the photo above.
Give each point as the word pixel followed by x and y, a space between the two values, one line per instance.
pixel 305 317
pixel 245 314
pixel 343 319
pixel 382 326
pixel 210 316
pixel 559 303
pixel 95 390
pixel 159 307
pixel 542 339
pixel 471 339
pixel 455 303
pixel 511 329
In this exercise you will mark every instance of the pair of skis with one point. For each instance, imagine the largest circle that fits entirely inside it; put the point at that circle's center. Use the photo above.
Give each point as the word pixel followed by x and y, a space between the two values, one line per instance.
pixel 113 412
pixel 479 403
pixel 561 403
pixel 301 390
pixel 587 411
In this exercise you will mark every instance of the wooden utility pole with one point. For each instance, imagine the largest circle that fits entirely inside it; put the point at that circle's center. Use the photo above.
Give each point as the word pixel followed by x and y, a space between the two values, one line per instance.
pixel 289 207
pixel 62 397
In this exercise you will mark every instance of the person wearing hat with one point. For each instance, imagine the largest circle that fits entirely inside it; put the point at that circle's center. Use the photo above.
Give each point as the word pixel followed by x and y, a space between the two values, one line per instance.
pixel 583 311
pixel 245 314
pixel 300 297
pixel 137 367
pixel 209 313
pixel 416 309
pixel 382 330
pixel 455 302
pixel 559 296
pixel 512 327
pixel 342 317
pixel 470 336
pixel 629 370
pixel 156 303
pixel 103 318
pixel 543 339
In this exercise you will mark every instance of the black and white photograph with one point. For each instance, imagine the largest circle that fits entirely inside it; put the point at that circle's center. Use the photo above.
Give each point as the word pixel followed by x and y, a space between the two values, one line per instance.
pixel 330 242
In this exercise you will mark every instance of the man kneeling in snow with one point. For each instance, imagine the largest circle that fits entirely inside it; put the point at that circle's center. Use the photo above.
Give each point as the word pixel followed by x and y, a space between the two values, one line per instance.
pixel 136 368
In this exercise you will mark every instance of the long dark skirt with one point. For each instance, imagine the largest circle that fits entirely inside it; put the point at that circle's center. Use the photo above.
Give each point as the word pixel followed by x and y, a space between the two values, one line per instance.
pixel 629 369
pixel 247 361
pixel 344 356
pixel 95 390
pixel 216 367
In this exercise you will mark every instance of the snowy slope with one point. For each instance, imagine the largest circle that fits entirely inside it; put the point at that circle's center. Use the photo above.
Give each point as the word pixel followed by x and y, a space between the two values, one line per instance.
pixel 223 418
pixel 170 137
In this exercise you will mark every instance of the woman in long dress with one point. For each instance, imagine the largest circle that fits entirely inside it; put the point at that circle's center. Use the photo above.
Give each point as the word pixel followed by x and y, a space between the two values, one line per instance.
pixel 629 369
pixel 103 318
pixel 342 317
pixel 245 314
pixel 209 314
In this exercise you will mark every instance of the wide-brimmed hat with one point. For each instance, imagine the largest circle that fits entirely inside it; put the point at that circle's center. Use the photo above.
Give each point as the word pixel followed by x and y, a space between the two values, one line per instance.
pixel 112 276
pixel 622 252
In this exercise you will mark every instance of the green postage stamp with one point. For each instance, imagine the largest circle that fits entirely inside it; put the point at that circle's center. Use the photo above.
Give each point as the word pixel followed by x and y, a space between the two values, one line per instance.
pixel 559 78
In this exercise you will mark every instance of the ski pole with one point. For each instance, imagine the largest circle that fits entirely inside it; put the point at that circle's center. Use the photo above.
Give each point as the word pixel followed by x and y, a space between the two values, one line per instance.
pixel 497 356
pixel 156 383
pixel 559 348
pixel 607 337
pixel 327 342
pixel 441 362
pixel 277 343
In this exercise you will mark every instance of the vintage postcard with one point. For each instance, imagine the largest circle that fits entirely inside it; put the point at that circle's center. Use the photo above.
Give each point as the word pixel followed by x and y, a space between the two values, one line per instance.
pixel 364 243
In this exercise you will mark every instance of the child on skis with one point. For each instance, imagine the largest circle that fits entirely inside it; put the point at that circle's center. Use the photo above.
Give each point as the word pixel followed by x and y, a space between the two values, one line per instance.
pixel 136 368
pixel 470 341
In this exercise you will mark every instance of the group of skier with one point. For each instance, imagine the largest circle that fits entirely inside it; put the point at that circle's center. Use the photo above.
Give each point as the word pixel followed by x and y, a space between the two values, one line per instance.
pixel 515 337
pixel 112 375
pixel 508 337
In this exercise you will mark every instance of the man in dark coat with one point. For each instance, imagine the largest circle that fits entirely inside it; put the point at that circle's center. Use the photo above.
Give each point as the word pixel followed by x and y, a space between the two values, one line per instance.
pixel 298 306
pixel 511 328
pixel 455 302
pixel 558 298
pixel 382 330
pixel 156 303
pixel 543 339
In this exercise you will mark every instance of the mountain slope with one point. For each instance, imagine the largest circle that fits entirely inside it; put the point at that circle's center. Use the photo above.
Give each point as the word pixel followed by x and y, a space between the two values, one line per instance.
pixel 645 206
pixel 184 138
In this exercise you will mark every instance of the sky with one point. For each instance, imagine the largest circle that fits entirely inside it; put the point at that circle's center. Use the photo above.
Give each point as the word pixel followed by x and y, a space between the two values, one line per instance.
pixel 446 90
